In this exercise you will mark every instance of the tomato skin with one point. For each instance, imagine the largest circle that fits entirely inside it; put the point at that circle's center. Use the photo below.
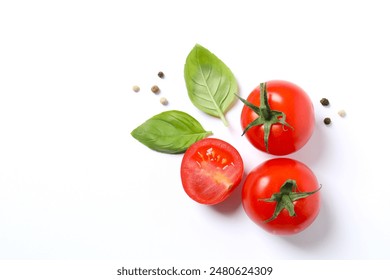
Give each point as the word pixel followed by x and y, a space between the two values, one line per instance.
pixel 211 169
pixel 296 104
pixel 265 180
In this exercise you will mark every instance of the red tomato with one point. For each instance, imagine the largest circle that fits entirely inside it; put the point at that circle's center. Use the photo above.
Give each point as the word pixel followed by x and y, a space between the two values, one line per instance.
pixel 289 118
pixel 281 196
pixel 210 170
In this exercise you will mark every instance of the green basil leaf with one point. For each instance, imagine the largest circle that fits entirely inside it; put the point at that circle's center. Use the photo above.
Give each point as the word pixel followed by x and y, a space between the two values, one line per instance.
pixel 170 132
pixel 210 84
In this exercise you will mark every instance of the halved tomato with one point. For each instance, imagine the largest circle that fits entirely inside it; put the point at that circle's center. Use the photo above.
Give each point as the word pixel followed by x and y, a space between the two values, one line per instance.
pixel 210 170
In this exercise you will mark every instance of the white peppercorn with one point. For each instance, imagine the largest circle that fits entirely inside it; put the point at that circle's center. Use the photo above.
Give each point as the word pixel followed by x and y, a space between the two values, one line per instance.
pixel 163 101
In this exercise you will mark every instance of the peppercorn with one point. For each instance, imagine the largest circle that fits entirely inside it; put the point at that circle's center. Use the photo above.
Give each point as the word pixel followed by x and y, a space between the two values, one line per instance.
pixel 163 101
pixel 136 88
pixel 155 89
pixel 324 102
pixel 161 75
pixel 342 113
pixel 327 121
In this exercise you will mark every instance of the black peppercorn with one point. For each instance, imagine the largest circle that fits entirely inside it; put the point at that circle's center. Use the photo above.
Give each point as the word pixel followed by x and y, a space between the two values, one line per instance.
pixel 327 121
pixel 324 101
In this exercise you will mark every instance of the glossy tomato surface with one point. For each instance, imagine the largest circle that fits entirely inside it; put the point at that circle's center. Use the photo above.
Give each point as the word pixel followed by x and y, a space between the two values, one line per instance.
pixel 266 180
pixel 210 170
pixel 294 102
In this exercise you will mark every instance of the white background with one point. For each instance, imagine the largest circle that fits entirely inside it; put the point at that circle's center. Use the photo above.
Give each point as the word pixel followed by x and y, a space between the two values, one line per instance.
pixel 75 185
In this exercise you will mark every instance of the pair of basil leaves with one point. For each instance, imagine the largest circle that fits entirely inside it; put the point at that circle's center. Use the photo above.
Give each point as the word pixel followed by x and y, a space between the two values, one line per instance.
pixel 211 87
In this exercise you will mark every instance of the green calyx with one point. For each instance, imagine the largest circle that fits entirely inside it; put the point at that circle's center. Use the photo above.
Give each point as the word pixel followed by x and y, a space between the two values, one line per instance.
pixel 285 198
pixel 266 116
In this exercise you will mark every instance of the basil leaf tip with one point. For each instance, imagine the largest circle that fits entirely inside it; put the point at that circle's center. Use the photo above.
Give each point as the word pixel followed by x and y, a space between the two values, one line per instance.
pixel 170 132
pixel 211 85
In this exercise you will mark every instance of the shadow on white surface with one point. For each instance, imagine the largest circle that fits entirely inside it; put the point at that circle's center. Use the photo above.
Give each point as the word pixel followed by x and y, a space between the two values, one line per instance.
pixel 316 234
pixel 313 152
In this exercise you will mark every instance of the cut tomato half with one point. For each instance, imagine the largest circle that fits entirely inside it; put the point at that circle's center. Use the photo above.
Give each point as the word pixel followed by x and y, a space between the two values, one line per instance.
pixel 210 170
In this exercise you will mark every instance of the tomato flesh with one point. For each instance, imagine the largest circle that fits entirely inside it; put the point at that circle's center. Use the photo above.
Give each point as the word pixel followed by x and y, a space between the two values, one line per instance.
pixel 211 169
pixel 265 180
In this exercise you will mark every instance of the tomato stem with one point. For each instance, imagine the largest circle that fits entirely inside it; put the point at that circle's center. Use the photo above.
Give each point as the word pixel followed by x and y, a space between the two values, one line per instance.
pixel 285 198
pixel 264 105
pixel 266 116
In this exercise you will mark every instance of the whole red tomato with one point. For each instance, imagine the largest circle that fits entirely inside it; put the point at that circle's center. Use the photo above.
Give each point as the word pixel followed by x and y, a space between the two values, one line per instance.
pixel 278 117
pixel 281 196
